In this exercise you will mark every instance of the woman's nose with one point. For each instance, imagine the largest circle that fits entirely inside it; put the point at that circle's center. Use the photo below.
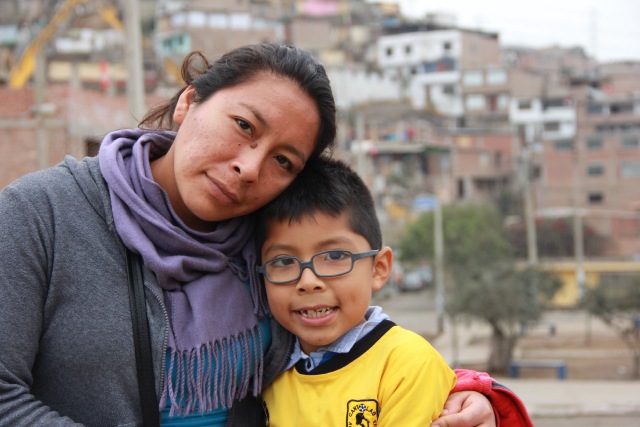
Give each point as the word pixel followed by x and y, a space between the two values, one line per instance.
pixel 248 165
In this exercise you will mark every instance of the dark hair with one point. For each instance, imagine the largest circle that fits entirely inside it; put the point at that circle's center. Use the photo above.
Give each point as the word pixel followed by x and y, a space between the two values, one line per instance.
pixel 328 186
pixel 242 64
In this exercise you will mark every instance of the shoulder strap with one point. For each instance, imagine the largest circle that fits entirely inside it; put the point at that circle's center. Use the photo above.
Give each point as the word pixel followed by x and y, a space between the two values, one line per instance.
pixel 142 342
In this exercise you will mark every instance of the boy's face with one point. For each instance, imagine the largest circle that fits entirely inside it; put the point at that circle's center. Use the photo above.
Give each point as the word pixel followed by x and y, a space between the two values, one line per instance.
pixel 319 310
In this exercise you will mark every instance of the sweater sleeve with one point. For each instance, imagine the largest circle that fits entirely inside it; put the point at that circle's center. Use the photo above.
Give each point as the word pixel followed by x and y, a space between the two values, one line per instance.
pixel 509 410
pixel 25 255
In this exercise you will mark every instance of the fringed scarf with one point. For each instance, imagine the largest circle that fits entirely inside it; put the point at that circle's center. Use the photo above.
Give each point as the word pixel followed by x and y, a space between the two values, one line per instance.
pixel 214 338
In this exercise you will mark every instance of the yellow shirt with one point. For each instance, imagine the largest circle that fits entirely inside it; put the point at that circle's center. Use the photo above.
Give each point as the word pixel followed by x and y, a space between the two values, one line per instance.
pixel 392 377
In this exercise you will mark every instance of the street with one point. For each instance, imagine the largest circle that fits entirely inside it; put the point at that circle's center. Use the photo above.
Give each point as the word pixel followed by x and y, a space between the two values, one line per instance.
pixel 593 421
pixel 551 403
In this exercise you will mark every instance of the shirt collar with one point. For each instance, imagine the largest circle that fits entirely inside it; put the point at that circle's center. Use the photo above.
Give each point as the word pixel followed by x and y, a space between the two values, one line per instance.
pixel 373 317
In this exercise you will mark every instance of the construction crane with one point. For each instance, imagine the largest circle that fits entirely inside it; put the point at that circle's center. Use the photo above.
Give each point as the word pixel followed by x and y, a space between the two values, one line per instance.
pixel 25 65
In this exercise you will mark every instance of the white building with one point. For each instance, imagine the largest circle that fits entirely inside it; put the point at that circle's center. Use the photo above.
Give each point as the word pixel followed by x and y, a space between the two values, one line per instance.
pixel 429 64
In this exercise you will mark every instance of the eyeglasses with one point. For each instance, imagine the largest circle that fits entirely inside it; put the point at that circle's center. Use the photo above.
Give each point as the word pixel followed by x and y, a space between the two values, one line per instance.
pixel 286 269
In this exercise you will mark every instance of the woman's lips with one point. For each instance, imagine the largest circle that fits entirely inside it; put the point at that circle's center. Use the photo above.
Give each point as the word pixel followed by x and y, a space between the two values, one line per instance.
pixel 224 190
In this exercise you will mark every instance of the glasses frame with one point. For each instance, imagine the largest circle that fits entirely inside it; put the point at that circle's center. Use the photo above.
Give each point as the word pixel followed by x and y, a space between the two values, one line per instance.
pixel 262 269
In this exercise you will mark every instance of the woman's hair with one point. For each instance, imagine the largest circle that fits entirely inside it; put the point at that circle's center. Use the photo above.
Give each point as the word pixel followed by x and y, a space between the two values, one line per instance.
pixel 242 64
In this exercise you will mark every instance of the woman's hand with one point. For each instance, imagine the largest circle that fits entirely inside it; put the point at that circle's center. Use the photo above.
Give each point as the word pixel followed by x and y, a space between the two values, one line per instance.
pixel 466 409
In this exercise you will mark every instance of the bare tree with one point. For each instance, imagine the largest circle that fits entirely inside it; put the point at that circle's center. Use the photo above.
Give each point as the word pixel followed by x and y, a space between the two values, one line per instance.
pixel 616 300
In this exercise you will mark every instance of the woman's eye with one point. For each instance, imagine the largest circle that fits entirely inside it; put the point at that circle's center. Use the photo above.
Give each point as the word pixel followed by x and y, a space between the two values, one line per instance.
pixel 244 125
pixel 284 162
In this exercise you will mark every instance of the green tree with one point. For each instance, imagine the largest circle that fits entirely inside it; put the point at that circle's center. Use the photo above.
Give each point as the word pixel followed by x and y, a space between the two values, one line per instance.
pixel 484 281
pixel 616 300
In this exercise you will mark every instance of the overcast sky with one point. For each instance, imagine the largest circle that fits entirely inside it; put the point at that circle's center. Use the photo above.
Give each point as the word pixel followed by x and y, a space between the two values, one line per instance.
pixel 607 29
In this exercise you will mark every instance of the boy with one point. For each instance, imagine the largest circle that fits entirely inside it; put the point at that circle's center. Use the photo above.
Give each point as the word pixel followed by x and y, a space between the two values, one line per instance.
pixel 322 253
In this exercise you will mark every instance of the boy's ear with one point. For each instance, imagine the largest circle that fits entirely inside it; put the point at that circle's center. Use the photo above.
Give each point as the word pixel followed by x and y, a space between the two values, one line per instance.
pixel 382 265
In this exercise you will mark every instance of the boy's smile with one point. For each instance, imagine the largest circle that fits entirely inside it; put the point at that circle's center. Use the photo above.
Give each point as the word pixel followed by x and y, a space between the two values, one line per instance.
pixel 319 310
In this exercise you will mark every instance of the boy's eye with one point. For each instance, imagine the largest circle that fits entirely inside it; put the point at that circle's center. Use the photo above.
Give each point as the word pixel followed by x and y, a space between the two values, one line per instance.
pixel 337 255
pixel 282 262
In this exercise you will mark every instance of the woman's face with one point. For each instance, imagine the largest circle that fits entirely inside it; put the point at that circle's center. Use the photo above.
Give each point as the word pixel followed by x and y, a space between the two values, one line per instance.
pixel 237 150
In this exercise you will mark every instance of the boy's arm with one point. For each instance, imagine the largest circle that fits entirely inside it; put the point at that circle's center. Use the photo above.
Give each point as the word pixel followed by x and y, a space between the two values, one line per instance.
pixel 416 383
pixel 464 409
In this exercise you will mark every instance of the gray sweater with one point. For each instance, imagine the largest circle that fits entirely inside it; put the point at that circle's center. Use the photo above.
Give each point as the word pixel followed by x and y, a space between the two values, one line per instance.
pixel 66 343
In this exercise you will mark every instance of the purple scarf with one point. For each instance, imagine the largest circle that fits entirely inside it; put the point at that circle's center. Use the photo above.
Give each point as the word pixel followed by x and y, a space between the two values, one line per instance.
pixel 214 336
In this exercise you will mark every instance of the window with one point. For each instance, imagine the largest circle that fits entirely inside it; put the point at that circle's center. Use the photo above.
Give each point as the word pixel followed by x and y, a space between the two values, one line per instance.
pixel 446 46
pixel 475 102
pixel 407 49
pixel 524 104
pixel 552 126
pixel 555 103
pixel 595 198
pixel 178 20
pixel 563 145
pixel 595 170
pixel 496 77
pixel 218 20
pixel 472 78
pixel 630 170
pixel 443 64
pixel 594 143
pixel 630 142
pixel 621 107
pixel 484 160
pixel 618 127
pixel 197 19
pixel 593 109
pixel 503 101
pixel 448 89
pixel 389 51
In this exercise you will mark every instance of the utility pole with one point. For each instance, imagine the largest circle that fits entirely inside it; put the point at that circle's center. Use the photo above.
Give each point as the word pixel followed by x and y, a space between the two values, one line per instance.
pixel 135 78
pixel 40 80
pixel 578 238
pixel 532 240
pixel 439 264
pixel 527 144
pixel 361 154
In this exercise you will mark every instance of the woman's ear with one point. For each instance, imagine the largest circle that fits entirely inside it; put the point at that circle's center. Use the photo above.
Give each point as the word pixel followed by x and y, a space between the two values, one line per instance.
pixel 382 265
pixel 183 104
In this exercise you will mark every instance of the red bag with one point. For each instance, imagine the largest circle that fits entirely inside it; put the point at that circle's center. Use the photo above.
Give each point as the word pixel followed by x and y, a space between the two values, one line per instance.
pixel 507 406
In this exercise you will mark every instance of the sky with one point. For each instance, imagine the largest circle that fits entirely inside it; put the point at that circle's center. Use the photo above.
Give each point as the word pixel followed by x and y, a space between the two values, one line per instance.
pixel 608 30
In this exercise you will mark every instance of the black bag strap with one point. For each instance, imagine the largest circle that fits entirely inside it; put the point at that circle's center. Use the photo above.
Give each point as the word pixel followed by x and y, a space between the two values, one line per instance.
pixel 142 342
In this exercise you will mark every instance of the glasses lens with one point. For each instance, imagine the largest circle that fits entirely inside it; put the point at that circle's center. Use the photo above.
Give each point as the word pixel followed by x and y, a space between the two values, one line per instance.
pixel 283 269
pixel 332 263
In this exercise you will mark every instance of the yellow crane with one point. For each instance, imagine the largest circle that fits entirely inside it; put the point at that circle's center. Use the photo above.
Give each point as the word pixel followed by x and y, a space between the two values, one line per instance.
pixel 24 66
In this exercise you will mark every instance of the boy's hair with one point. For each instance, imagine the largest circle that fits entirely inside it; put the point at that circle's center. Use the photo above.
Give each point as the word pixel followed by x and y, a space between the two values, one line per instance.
pixel 328 186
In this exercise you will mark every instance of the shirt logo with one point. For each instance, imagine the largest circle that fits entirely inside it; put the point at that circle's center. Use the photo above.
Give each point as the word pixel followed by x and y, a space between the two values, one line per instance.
pixel 362 413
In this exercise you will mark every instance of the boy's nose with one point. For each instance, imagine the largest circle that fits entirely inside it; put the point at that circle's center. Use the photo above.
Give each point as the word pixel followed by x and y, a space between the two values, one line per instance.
pixel 309 282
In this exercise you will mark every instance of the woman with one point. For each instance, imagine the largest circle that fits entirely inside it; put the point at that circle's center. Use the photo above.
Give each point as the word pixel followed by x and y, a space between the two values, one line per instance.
pixel 182 198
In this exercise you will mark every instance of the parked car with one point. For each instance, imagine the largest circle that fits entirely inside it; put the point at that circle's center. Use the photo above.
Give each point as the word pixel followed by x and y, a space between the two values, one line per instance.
pixel 416 279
